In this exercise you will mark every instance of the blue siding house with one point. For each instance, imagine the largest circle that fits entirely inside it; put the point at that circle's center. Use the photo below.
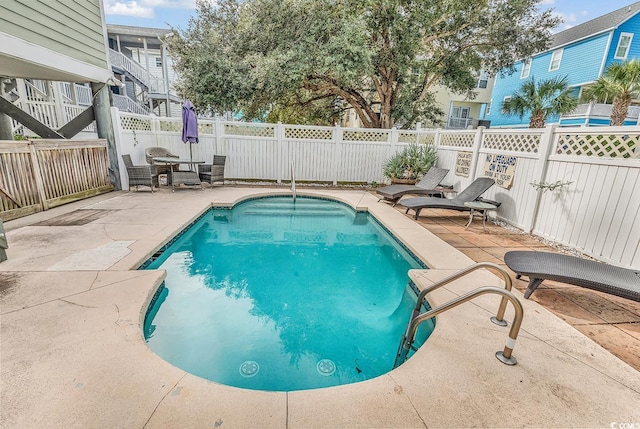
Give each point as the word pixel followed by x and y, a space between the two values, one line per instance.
pixel 580 53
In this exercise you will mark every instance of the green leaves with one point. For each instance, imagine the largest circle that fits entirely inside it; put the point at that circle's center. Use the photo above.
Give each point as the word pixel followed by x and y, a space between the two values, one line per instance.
pixel 383 58
pixel 411 163
pixel 619 84
pixel 541 100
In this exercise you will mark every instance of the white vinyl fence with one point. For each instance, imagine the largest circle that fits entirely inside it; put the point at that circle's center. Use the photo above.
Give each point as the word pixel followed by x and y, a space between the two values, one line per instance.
pixel 598 212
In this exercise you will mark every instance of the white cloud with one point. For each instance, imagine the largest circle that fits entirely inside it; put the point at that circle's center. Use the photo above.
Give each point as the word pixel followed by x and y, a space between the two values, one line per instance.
pixel 144 8
pixel 131 8
pixel 571 19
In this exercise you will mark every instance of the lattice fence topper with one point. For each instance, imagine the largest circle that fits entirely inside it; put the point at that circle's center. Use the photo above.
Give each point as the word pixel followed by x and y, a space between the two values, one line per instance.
pixel 249 130
pixel 404 137
pixel 365 136
pixel 308 134
pixel 172 126
pixel 135 123
pixel 605 146
pixel 528 143
pixel 205 128
pixel 460 140
pixel 427 139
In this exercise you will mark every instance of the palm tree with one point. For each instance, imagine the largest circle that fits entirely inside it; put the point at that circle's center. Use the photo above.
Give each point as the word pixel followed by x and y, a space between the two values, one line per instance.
pixel 620 83
pixel 549 97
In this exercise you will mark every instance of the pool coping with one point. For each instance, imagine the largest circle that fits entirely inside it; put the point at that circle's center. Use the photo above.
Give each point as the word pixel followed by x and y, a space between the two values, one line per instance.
pixel 91 367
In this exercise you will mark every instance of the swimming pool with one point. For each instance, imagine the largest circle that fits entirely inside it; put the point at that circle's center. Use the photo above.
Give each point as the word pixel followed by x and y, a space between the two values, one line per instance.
pixel 281 295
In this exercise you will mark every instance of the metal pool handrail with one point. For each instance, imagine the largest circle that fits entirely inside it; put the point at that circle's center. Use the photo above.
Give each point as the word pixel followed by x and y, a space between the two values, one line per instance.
pixel 504 356
pixel 498 319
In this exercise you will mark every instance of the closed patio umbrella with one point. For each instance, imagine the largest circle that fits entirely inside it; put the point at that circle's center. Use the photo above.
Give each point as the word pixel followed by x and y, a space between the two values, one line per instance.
pixel 189 125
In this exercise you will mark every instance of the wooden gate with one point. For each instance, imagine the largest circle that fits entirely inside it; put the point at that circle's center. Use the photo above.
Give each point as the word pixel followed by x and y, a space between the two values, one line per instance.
pixel 37 175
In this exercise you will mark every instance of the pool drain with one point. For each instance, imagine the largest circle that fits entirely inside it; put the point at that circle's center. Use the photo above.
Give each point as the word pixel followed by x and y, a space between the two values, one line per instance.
pixel 326 367
pixel 249 369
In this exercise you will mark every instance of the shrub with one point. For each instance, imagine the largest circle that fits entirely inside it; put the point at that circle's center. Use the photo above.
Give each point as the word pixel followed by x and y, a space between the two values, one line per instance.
pixel 410 163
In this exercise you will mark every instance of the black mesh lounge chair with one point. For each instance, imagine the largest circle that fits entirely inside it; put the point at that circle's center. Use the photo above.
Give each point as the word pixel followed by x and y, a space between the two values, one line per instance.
pixel 212 173
pixel 540 266
pixel 426 186
pixel 142 175
pixel 470 193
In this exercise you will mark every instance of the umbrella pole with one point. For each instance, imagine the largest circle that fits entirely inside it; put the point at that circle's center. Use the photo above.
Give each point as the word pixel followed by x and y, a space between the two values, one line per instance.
pixel 190 153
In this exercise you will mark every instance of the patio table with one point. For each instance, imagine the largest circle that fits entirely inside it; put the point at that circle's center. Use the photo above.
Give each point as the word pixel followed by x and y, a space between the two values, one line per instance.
pixel 181 177
pixel 482 209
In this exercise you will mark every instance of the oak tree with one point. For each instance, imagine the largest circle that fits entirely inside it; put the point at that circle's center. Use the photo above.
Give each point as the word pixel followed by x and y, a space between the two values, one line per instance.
pixel 382 58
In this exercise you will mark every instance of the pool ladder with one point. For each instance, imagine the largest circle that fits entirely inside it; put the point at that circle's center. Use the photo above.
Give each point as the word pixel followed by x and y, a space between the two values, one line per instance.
pixel 293 181
pixel 504 356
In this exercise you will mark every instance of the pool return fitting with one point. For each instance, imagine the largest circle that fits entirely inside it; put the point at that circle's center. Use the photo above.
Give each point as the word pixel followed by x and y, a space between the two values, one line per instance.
pixel 504 356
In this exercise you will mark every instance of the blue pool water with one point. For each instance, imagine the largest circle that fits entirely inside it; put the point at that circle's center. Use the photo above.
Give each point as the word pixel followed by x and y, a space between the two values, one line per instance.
pixel 283 295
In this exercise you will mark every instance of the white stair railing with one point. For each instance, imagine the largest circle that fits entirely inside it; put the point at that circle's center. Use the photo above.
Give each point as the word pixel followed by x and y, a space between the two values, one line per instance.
pixel 125 63
pixel 126 104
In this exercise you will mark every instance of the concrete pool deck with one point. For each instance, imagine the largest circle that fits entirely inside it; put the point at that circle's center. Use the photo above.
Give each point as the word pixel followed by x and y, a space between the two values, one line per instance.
pixel 72 352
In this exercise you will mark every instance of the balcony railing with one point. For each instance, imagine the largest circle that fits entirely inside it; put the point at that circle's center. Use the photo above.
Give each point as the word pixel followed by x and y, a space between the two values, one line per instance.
pixel 126 104
pixel 127 64
pixel 462 123
pixel 600 111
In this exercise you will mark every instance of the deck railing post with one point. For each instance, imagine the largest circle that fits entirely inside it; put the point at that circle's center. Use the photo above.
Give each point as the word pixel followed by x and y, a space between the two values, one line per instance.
pixel 56 94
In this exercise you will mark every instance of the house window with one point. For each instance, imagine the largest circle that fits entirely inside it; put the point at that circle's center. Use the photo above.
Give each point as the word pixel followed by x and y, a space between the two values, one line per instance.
pixel 459 117
pixel 158 61
pixel 460 112
pixel 623 46
pixel 526 68
pixel 488 111
pixel 556 57
pixel 505 100
pixel 483 79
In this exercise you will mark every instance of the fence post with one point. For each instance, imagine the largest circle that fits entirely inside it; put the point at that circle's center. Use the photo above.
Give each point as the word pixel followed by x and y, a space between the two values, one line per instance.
pixel 436 137
pixel 219 131
pixel 38 176
pixel 477 144
pixel 544 151
pixel 393 139
pixel 278 134
pixel 155 129
pixel 337 146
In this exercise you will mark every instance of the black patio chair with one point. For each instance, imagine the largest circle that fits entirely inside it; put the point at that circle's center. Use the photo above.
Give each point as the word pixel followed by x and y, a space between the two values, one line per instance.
pixel 212 173
pixel 470 193
pixel 140 175
pixel 426 186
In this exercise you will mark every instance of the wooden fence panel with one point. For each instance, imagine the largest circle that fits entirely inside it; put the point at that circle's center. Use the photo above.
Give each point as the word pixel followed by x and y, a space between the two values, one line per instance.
pixel 18 191
pixel 39 174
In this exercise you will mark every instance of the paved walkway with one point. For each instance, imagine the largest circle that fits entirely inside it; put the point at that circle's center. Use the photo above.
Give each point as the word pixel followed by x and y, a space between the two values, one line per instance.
pixel 612 322
pixel 72 352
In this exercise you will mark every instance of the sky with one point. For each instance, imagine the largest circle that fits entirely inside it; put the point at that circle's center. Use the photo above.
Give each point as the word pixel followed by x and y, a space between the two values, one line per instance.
pixel 176 13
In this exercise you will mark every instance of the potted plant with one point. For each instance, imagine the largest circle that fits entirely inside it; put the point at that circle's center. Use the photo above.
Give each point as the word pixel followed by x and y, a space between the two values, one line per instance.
pixel 410 164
